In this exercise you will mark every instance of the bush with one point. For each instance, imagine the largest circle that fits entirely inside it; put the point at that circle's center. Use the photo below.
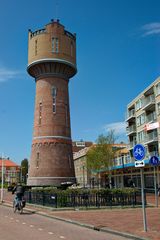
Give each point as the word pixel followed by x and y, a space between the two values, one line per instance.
pixel 53 190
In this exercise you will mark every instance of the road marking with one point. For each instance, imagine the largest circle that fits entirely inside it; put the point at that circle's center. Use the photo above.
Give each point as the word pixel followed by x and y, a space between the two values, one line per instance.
pixel 31 225
pixel 23 223
pixel 62 237
pixel 17 220
pixel 11 218
pixel 50 233
pixel 40 229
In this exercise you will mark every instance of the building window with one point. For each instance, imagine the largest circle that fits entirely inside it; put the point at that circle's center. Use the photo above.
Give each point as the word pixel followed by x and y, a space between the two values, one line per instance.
pixel 40 113
pixel 158 108
pixel 141 136
pixel 55 45
pixel 35 47
pixel 138 104
pixel 54 93
pixel 141 119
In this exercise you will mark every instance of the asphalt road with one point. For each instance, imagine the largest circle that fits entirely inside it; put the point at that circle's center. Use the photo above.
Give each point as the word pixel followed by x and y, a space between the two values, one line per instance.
pixel 30 226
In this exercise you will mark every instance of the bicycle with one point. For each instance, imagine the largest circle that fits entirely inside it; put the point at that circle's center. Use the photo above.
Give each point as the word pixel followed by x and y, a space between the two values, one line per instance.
pixel 18 205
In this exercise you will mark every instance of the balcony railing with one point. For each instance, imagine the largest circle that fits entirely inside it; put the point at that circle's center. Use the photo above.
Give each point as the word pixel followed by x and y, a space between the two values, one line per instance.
pixel 130 114
pixel 151 117
pixel 148 101
pixel 131 129
pixel 151 137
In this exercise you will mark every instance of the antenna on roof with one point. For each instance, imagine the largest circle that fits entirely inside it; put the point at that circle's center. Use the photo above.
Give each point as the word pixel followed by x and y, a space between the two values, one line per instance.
pixel 56 10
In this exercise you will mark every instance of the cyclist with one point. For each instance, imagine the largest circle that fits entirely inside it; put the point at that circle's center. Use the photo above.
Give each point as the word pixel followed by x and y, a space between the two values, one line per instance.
pixel 19 190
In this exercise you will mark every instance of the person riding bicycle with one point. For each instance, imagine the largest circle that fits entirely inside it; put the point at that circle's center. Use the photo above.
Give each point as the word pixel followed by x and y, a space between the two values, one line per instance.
pixel 19 190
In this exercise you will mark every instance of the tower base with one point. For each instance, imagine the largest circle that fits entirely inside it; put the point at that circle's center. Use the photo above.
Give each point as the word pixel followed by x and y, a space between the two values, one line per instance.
pixel 50 181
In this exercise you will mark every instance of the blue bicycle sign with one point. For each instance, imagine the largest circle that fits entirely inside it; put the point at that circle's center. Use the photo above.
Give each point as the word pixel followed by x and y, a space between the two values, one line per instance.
pixel 154 160
pixel 139 152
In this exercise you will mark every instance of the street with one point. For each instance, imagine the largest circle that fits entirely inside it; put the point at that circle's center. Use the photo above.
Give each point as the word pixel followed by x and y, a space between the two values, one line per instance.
pixel 30 226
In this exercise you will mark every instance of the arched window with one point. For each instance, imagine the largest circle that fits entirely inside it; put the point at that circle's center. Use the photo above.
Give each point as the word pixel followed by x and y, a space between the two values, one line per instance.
pixel 55 45
pixel 54 93
pixel 71 49
pixel 40 112
pixel 36 47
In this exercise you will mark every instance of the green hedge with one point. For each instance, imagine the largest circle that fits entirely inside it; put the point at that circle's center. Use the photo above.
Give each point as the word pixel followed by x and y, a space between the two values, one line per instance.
pixel 82 191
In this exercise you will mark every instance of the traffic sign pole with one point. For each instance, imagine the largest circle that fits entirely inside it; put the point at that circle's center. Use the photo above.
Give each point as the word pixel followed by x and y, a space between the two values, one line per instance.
pixel 155 188
pixel 139 154
pixel 143 202
pixel 154 161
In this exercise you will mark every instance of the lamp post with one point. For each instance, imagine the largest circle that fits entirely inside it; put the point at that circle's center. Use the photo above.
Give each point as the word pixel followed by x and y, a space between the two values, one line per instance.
pixel 83 178
pixel 21 174
pixel 2 171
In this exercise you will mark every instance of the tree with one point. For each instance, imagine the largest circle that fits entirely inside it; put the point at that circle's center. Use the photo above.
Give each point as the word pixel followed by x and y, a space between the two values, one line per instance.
pixel 101 155
pixel 24 169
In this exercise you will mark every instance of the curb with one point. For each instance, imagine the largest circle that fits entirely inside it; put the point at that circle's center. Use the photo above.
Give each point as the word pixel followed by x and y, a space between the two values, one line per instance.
pixel 101 229
pixel 107 230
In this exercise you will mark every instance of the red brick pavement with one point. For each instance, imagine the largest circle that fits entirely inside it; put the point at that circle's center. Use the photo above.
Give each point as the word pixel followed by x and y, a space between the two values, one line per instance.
pixel 128 220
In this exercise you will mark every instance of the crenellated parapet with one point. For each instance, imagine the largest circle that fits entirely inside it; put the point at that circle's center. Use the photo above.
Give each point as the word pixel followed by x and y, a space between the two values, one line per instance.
pixel 50 47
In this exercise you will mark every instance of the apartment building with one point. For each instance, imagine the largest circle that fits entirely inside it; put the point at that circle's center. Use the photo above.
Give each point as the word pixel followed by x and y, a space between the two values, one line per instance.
pixel 80 165
pixel 103 177
pixel 143 118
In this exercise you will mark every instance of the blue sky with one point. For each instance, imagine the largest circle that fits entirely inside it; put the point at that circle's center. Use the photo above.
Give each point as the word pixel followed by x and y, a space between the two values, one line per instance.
pixel 118 46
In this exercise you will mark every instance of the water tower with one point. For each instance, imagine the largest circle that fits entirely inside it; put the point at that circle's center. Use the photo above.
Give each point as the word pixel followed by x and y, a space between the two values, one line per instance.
pixel 52 62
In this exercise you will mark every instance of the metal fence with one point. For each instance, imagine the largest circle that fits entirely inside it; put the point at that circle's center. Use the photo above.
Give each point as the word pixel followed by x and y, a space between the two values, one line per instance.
pixel 96 200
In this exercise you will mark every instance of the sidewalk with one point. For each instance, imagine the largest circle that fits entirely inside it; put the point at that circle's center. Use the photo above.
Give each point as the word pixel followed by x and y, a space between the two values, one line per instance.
pixel 122 221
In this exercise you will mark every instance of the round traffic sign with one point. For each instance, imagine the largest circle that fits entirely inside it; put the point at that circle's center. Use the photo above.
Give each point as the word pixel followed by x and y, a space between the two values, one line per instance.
pixel 154 160
pixel 139 151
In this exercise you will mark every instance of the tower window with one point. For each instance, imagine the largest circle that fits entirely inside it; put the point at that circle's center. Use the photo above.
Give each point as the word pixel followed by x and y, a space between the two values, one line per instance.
pixel 37 160
pixel 40 113
pixel 69 161
pixel 37 155
pixel 54 93
pixel 35 47
pixel 55 45
pixel 71 49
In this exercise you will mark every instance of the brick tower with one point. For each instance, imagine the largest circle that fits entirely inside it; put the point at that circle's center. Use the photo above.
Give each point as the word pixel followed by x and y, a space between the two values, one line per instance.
pixel 52 62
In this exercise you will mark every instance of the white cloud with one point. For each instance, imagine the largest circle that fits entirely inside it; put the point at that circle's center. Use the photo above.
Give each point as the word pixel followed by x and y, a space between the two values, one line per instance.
pixel 151 29
pixel 6 74
pixel 118 127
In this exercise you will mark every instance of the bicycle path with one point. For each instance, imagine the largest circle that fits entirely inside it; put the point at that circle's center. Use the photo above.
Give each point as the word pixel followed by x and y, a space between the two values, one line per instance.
pixel 126 222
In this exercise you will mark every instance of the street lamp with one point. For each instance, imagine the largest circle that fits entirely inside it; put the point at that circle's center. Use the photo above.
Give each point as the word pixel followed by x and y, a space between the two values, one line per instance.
pixel 2 171
pixel 83 178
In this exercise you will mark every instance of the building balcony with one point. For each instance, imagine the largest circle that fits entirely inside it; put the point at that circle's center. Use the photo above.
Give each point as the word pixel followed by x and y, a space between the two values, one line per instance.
pixel 148 102
pixel 131 130
pixel 151 137
pixel 132 144
pixel 130 114
pixel 151 117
